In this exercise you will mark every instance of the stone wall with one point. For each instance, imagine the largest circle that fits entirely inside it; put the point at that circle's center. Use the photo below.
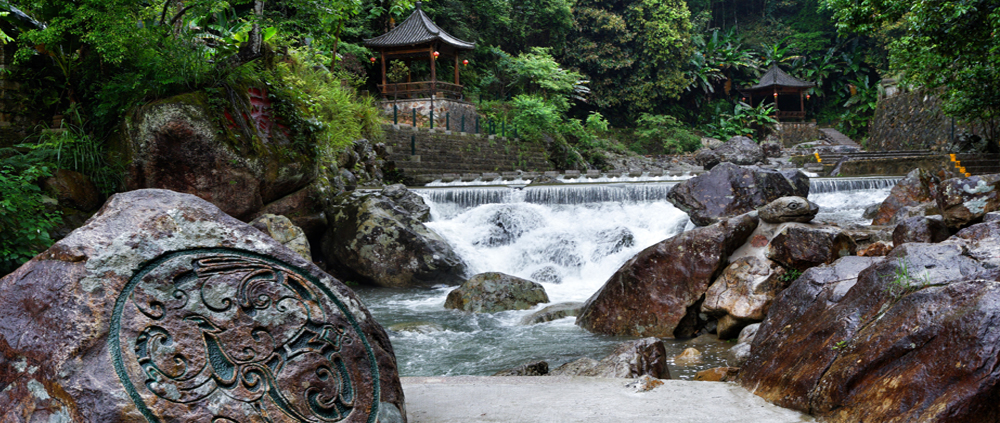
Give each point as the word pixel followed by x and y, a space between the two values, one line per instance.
pixel 447 152
pixel 448 113
pixel 914 121
pixel 15 122
pixel 791 133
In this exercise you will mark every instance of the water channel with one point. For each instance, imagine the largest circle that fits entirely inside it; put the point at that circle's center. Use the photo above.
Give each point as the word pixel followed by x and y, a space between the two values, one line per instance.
pixel 569 238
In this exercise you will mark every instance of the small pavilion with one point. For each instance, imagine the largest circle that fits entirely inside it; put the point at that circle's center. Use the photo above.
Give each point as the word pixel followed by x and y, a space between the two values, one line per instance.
pixel 786 92
pixel 418 38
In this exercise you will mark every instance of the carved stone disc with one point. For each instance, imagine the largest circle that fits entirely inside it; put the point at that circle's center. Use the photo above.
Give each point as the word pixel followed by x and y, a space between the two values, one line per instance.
pixel 220 335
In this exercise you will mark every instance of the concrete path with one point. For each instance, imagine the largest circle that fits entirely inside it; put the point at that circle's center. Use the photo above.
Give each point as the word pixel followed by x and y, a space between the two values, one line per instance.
pixel 567 399
pixel 837 137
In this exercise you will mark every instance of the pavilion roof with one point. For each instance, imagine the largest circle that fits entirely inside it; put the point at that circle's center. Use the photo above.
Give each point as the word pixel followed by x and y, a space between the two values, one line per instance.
pixel 775 77
pixel 417 29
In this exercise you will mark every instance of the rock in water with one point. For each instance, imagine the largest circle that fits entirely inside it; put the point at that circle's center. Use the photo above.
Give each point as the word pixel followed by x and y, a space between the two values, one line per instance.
pixel 372 237
pixel 918 187
pixel 656 293
pixel 740 150
pixel 493 291
pixel 788 209
pixel 163 308
pixel 730 190
pixel 913 338
pixel 553 312
pixel 630 359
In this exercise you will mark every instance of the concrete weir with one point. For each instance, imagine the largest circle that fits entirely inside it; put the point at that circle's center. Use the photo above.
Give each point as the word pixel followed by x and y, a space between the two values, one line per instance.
pixel 531 399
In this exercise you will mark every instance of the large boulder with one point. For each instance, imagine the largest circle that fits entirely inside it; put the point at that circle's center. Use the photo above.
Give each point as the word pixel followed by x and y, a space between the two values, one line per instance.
pixel 181 144
pixel 920 229
pixel 657 292
pixel 730 190
pixel 373 239
pixel 73 189
pixel 964 201
pixel 918 187
pixel 707 158
pixel 912 338
pixel 494 291
pixel 740 150
pixel 163 308
pixel 631 359
pixel 800 246
pixel 409 201
pixel 743 293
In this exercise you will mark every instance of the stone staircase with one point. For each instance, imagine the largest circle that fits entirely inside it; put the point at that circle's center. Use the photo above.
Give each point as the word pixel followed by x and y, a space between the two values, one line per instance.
pixel 838 138
pixel 977 164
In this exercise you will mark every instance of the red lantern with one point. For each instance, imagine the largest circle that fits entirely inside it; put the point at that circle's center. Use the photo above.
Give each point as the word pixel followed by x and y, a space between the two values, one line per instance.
pixel 465 62
pixel 372 59
pixel 436 54
pixel 807 96
pixel 775 94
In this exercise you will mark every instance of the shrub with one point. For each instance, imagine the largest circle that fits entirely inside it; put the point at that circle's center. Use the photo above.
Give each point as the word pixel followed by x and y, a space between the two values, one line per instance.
pixel 656 133
pixel 24 222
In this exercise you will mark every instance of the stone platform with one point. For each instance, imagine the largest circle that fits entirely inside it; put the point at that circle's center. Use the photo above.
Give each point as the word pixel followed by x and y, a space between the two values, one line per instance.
pixel 564 399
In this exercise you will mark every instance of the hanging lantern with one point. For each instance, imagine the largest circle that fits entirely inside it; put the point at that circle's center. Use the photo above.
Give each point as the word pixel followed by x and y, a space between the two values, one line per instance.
pixel 372 59
pixel 436 54
pixel 775 94
pixel 465 62
pixel 807 96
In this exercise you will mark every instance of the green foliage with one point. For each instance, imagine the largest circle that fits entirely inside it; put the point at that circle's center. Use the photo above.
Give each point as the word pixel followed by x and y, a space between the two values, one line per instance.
pixel 632 52
pixel 937 44
pixel 904 281
pixel 663 134
pixel 790 275
pixel 753 122
pixel 25 222
pixel 534 116
pixel 335 116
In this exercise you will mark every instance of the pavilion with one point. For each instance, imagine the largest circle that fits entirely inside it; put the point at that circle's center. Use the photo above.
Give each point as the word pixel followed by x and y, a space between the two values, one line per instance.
pixel 781 89
pixel 419 38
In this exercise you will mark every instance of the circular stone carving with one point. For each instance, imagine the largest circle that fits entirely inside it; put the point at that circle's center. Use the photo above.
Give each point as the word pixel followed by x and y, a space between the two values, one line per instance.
pixel 219 335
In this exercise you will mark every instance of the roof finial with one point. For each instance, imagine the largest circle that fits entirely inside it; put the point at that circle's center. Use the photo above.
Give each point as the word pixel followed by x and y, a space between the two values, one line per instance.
pixel 418 4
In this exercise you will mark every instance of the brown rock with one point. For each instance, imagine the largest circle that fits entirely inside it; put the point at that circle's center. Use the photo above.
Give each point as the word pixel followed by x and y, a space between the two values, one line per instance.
pixel 913 338
pixel 303 208
pixel 717 374
pixel 688 357
pixel 920 229
pixel 743 294
pixel 801 246
pixel 964 201
pixel 646 356
pixel 656 292
pixel 374 240
pixel 919 186
pixel 876 249
pixel 491 292
pixel 74 189
pixel 730 190
pixel 176 144
pixel 163 308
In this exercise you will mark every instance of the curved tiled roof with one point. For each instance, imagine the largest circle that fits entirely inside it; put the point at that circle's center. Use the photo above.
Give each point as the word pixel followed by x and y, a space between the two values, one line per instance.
pixel 777 77
pixel 417 29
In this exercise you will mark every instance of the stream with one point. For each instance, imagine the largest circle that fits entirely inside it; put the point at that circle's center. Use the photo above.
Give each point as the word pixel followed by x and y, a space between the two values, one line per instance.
pixel 569 238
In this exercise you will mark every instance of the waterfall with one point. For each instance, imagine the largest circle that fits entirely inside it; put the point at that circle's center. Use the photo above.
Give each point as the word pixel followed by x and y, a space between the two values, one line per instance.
pixel 570 238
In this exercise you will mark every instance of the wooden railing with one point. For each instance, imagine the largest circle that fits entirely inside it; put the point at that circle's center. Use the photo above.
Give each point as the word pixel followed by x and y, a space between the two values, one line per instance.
pixel 781 114
pixel 421 89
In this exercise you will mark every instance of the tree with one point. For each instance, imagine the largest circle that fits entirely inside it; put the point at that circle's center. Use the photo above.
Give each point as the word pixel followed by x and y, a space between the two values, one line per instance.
pixel 633 51
pixel 949 46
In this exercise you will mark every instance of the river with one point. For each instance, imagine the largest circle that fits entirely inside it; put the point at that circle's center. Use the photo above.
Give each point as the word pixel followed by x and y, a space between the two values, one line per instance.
pixel 569 238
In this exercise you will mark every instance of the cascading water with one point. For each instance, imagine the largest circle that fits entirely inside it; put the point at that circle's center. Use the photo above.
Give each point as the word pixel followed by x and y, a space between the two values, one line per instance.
pixel 570 239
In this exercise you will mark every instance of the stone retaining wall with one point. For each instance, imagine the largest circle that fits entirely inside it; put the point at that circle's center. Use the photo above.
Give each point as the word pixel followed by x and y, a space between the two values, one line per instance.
pixel 437 152
pixel 792 133
pixel 914 121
